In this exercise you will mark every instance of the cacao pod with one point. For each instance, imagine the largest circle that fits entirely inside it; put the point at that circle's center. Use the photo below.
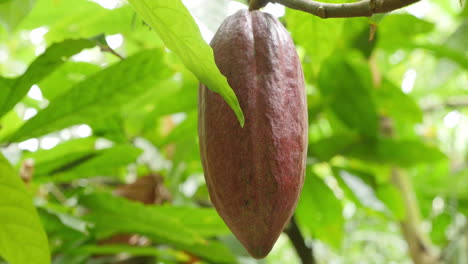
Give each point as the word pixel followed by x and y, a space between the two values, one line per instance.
pixel 255 174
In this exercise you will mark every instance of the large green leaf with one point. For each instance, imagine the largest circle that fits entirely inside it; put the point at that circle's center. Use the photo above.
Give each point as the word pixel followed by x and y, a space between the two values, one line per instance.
pixel 104 162
pixel 22 237
pixel 100 95
pixel 13 11
pixel 177 28
pixel 45 64
pixel 162 224
pixel 349 96
pixel 65 77
pixel 403 153
pixel 319 212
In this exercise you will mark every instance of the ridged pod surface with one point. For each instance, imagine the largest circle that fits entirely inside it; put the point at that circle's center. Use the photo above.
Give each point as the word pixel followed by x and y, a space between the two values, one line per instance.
pixel 255 174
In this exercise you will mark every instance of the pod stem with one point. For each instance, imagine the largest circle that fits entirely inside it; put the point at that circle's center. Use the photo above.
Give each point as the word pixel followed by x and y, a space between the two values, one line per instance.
pixel 257 4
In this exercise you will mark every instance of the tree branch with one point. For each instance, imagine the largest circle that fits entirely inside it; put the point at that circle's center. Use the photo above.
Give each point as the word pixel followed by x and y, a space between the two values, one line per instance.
pixel 452 102
pixel 363 8
pixel 305 252
pixel 420 248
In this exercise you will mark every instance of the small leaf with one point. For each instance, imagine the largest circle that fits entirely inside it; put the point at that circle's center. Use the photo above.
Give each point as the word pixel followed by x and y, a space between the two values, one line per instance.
pixel 98 96
pixel 22 237
pixel 45 64
pixel 177 28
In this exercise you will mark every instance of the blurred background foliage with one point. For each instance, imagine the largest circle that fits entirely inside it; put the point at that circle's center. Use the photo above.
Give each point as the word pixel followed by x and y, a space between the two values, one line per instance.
pixel 93 104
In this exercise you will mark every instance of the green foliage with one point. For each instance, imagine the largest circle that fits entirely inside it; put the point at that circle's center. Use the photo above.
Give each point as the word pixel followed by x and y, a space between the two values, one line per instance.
pixel 41 67
pixel 100 95
pixel 103 122
pixel 22 237
pixel 350 97
pixel 113 215
pixel 176 27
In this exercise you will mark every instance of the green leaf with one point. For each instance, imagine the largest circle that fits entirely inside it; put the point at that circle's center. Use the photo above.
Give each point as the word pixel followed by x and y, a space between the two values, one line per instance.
pixel 408 153
pixel 393 199
pixel 69 74
pixel 177 28
pixel 326 148
pixel 45 64
pixel 104 162
pixel 9 123
pixel 183 131
pixel 22 237
pixel 13 11
pixel 361 186
pixel 63 215
pixel 117 215
pixel 205 221
pixel 319 37
pixel 319 212
pixel 393 102
pixel 161 254
pixel 397 29
pixel 79 19
pixel 349 96
pixel 405 153
pixel 62 155
pixel 440 225
pixel 441 51
pixel 98 96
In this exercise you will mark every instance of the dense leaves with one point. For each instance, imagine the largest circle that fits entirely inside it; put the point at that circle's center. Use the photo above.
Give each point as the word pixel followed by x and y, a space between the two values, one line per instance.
pixel 387 133
pixel 101 94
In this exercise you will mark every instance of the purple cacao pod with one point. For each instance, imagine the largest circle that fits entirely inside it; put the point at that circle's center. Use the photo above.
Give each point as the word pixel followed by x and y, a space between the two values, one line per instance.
pixel 255 174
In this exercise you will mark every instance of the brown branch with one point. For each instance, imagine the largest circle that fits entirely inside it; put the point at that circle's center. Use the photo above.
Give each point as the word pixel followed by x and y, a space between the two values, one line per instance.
pixel 420 248
pixel 305 252
pixel 452 102
pixel 363 8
